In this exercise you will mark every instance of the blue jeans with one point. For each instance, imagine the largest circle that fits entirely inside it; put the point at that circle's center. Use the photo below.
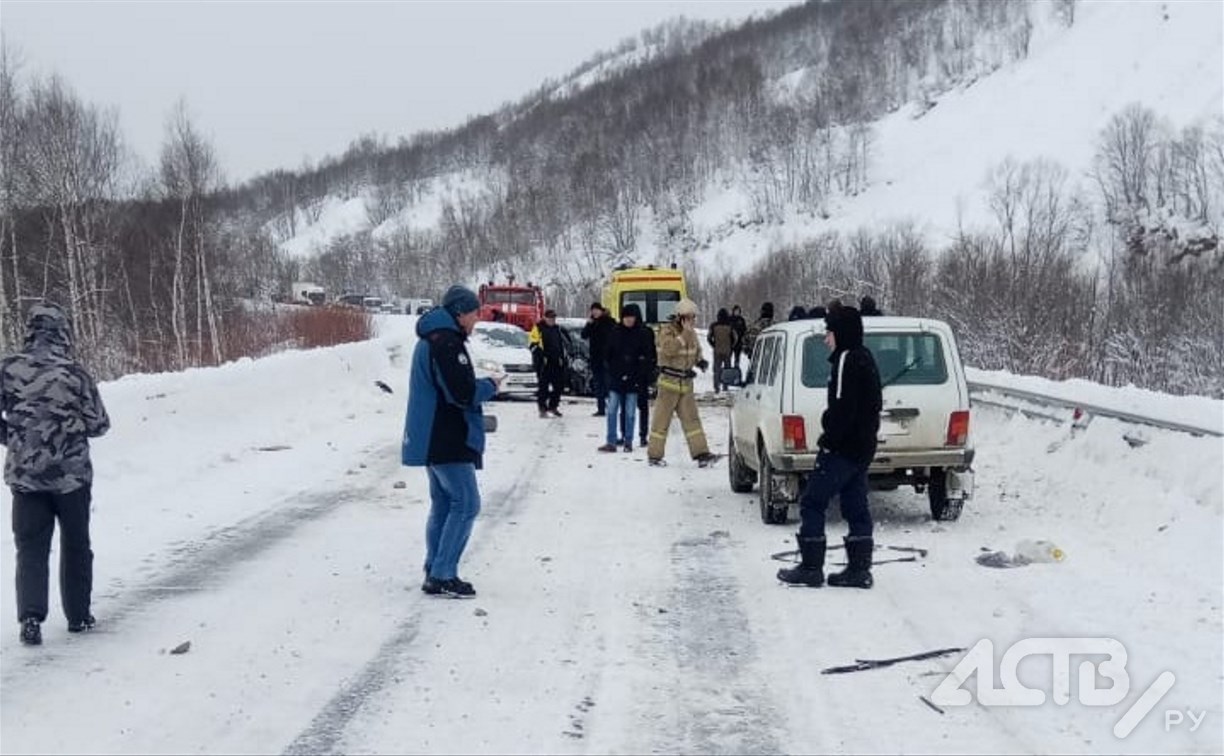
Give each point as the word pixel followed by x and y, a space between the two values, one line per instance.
pixel 835 475
pixel 454 504
pixel 619 403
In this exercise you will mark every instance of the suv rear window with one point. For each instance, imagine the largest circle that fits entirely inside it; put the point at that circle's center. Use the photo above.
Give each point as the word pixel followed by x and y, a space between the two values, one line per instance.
pixel 903 359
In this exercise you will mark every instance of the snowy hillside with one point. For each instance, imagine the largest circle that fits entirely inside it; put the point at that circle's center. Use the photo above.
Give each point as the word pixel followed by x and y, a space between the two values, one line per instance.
pixel 928 164
pixel 259 511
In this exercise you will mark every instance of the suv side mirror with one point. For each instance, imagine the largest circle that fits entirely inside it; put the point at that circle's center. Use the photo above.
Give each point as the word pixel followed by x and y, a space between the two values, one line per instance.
pixel 731 376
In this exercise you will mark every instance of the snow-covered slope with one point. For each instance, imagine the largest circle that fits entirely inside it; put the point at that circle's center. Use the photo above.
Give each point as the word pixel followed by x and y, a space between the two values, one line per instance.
pixel 929 166
pixel 1054 104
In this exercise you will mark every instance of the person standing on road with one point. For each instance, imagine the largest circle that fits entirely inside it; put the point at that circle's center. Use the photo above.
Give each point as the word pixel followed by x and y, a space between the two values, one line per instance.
pixel 679 351
pixel 49 409
pixel 646 380
pixel 596 332
pixel 723 340
pixel 548 354
pixel 444 432
pixel 740 326
pixel 763 322
pixel 846 447
pixel 629 351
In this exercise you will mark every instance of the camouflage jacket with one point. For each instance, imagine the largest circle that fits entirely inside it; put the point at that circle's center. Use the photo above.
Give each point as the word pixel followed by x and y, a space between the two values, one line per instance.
pixel 49 409
pixel 754 330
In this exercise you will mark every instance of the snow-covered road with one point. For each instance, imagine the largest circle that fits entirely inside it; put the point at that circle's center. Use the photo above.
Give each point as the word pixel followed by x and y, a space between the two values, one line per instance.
pixel 253 510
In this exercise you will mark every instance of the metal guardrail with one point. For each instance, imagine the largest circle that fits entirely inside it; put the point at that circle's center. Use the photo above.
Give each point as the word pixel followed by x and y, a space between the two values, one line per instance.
pixel 1091 409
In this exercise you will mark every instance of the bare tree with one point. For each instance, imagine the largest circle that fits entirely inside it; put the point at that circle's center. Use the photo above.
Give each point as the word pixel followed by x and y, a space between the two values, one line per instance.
pixel 188 173
pixel 71 160
pixel 9 197
pixel 1124 162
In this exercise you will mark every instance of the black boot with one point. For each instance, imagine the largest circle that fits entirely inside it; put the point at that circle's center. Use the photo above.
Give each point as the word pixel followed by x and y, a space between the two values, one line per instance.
pixel 858 572
pixel 31 632
pixel 80 626
pixel 810 570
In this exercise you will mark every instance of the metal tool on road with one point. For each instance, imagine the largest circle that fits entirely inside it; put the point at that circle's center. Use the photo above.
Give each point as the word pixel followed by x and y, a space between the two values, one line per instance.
pixel 865 664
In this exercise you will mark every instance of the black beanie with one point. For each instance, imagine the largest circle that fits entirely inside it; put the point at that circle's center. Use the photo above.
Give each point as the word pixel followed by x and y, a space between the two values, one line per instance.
pixel 767 310
pixel 847 326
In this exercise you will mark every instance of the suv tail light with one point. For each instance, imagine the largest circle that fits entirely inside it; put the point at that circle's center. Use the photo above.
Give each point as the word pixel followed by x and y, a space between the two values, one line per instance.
pixel 958 428
pixel 794 436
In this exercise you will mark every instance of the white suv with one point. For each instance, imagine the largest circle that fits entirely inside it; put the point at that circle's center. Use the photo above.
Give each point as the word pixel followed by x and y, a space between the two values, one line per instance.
pixel 924 437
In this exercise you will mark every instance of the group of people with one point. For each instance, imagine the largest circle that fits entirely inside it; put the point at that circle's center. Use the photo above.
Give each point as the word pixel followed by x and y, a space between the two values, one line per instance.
pixel 623 358
pixel 444 428
pixel 627 359
pixel 50 407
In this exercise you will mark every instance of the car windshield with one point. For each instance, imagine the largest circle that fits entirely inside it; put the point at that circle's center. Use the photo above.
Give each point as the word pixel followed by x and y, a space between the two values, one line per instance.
pixel 504 337
pixel 502 296
pixel 574 342
pixel 903 359
pixel 657 306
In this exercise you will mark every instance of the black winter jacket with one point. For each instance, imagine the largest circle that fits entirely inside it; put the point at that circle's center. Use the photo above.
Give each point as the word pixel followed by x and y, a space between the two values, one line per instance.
pixel 597 333
pixel 550 352
pixel 631 358
pixel 852 420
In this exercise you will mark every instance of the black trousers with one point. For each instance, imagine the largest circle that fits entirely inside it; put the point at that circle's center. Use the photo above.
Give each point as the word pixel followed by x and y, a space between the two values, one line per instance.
pixel 552 381
pixel 34 516
pixel 643 408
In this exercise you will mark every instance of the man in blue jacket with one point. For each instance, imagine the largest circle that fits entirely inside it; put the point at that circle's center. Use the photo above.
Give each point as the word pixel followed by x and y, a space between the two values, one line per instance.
pixel 847 445
pixel 444 432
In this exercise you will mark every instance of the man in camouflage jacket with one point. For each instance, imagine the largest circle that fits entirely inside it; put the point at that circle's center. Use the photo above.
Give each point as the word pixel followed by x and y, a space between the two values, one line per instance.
pixel 49 409
pixel 754 330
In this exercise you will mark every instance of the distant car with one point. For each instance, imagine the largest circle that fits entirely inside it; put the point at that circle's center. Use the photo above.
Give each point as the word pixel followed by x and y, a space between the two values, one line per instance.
pixel 351 300
pixel 502 348
pixel 924 438
pixel 579 379
pixel 372 304
pixel 418 306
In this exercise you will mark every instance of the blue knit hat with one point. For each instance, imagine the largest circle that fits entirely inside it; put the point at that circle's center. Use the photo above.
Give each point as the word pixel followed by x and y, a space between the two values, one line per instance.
pixel 460 300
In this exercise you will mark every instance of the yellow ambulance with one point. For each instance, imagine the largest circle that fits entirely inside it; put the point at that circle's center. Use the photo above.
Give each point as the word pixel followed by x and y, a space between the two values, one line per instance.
pixel 656 291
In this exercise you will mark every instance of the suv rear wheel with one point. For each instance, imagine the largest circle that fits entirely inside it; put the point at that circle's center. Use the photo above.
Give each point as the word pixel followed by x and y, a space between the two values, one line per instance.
pixel 772 512
pixel 742 477
pixel 942 508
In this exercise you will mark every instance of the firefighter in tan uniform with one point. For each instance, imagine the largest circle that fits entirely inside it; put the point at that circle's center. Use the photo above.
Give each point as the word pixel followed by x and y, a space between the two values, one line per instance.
pixel 679 352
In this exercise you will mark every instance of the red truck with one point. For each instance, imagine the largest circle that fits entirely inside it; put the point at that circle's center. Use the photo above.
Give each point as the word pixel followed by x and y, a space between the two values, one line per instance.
pixel 510 303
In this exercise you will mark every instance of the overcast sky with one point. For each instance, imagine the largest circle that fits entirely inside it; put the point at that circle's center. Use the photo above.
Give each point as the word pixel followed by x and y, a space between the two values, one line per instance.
pixel 273 83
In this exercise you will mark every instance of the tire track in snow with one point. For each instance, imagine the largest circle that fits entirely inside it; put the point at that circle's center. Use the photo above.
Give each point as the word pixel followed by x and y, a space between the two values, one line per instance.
pixel 208 562
pixel 326 732
pixel 722 706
